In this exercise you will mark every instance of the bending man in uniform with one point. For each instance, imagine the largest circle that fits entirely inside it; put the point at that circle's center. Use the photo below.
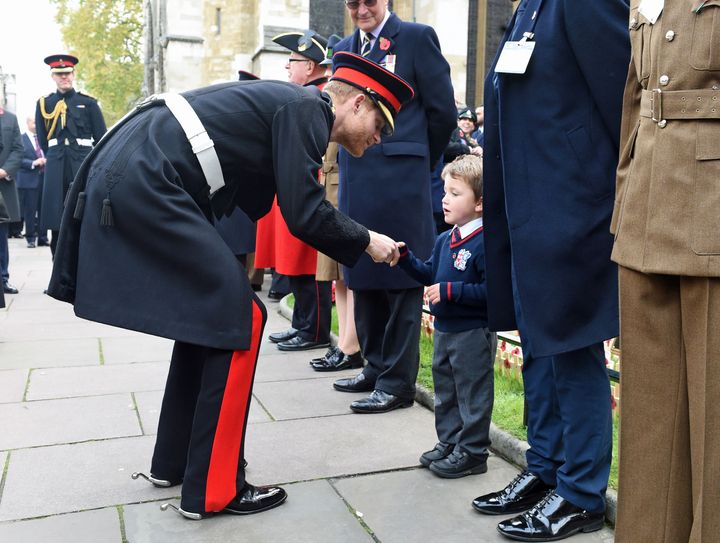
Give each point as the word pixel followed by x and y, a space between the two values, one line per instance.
pixel 138 249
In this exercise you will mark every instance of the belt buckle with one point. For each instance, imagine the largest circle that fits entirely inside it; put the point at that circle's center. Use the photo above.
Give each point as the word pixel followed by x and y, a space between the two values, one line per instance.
pixel 656 107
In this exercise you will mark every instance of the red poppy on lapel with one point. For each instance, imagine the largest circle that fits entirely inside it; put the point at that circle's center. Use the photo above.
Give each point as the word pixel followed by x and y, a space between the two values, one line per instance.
pixel 385 44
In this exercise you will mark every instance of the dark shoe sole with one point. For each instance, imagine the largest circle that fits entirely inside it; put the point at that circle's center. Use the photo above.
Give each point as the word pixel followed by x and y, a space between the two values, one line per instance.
pixel 477 470
pixel 341 388
pixel 594 527
pixel 324 368
pixel 401 405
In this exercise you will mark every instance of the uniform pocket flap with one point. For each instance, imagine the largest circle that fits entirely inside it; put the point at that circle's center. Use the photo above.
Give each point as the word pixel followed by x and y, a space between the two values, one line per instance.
pixel 396 148
pixel 708 141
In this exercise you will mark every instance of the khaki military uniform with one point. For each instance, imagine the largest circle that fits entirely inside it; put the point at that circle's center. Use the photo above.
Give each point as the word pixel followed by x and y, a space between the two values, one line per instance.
pixel 327 268
pixel 667 226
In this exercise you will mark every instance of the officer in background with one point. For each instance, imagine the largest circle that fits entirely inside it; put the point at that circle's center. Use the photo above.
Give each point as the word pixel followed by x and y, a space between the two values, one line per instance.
pixel 276 246
pixel 68 124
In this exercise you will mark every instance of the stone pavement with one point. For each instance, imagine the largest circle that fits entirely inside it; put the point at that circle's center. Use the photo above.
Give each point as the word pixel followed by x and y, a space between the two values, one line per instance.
pixel 79 403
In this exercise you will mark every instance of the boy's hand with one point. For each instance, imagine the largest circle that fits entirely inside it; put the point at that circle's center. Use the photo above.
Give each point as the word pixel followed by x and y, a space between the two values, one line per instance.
pixel 433 293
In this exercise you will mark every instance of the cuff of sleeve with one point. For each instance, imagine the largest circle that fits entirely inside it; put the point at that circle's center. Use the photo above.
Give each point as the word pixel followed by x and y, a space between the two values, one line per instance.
pixel 450 292
pixel 404 252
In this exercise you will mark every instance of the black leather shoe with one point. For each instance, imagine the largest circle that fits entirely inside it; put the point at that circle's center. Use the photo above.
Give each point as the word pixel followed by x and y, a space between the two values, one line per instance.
pixel 43 243
pixel 279 337
pixel 552 519
pixel 521 494
pixel 359 383
pixel 332 352
pixel 9 289
pixel 379 402
pixel 256 288
pixel 438 452
pixel 459 464
pixel 255 499
pixel 345 362
pixel 275 295
pixel 299 344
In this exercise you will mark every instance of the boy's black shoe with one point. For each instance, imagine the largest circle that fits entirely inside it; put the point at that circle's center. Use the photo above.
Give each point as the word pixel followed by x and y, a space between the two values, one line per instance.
pixel 343 362
pixel 279 337
pixel 459 464
pixel 440 451
pixel 333 353
pixel 523 492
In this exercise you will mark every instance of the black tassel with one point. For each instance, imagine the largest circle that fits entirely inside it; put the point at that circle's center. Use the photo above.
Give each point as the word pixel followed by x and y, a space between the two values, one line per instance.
pixel 106 218
pixel 79 207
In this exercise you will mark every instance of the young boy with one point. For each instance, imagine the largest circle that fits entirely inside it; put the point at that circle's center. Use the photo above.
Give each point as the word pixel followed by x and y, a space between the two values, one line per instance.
pixel 464 347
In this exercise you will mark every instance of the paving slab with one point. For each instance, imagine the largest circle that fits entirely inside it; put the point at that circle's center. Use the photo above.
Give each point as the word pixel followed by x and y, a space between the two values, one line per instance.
pixel 78 477
pixel 149 403
pixel 313 513
pixel 12 385
pixel 273 365
pixel 306 449
pixel 49 422
pixel 86 527
pixel 415 505
pixel 136 348
pixel 76 329
pixel 55 315
pixel 300 399
pixel 96 380
pixel 49 353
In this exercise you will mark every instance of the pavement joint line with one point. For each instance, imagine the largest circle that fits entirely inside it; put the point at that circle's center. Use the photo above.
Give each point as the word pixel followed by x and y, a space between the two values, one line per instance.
pixel 72 443
pixel 359 517
pixel 100 352
pixel 94 395
pixel 262 405
pixel 137 412
pixel 121 518
pixel 6 467
pixel 27 385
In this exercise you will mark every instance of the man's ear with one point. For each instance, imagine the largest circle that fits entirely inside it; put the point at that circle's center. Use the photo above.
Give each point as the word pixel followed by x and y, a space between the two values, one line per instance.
pixel 358 101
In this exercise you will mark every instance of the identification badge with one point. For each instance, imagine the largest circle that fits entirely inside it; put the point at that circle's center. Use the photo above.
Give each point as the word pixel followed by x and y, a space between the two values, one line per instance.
pixel 651 9
pixel 390 63
pixel 515 57
pixel 80 106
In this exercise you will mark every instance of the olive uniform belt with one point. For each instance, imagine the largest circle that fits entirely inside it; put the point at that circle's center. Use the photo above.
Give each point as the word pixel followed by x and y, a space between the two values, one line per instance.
pixel 660 105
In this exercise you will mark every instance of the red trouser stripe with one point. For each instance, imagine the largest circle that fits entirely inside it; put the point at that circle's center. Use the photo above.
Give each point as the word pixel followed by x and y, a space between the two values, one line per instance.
pixel 225 456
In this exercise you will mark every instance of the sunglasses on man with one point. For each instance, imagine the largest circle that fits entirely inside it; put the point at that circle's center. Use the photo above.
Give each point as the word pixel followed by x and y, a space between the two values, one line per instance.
pixel 353 4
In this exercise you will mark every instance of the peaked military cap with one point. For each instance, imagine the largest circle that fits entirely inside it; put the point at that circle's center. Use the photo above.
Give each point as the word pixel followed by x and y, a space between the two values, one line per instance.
pixel 329 51
pixel 309 44
pixel 467 113
pixel 246 76
pixel 388 91
pixel 61 64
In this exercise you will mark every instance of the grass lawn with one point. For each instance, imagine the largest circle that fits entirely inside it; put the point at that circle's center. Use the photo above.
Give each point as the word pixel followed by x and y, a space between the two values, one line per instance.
pixel 509 399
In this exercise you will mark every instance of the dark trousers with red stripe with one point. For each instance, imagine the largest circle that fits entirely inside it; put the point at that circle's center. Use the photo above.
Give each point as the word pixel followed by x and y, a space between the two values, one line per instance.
pixel 313 306
pixel 201 433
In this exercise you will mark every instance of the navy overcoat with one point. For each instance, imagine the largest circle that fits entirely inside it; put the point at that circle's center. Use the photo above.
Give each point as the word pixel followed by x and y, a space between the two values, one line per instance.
pixel 548 195
pixel 388 189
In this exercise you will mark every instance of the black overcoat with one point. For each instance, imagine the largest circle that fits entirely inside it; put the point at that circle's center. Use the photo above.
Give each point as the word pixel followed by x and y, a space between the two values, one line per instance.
pixel 11 152
pixel 162 268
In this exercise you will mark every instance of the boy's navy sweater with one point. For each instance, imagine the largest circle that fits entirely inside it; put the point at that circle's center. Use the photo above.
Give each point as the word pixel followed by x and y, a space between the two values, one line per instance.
pixel 459 267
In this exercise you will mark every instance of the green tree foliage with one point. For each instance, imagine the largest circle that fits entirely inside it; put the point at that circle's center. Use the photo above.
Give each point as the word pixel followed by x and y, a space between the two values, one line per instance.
pixel 106 35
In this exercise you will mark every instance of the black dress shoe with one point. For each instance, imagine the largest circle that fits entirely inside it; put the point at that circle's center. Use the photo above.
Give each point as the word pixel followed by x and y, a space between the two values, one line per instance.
pixel 275 295
pixel 438 452
pixel 521 494
pixel 9 289
pixel 552 519
pixel 299 344
pixel 459 464
pixel 279 337
pixel 252 499
pixel 43 243
pixel 332 352
pixel 345 362
pixel 359 383
pixel 379 402
pixel 256 288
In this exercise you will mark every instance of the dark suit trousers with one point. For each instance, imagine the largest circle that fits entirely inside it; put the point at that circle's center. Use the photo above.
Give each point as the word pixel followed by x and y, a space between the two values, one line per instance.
pixel 569 419
pixel 313 307
pixel 388 326
pixel 4 251
pixel 201 433
pixel 29 201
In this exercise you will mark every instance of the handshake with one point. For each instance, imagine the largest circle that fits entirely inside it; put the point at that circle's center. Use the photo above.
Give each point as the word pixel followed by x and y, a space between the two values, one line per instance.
pixel 383 249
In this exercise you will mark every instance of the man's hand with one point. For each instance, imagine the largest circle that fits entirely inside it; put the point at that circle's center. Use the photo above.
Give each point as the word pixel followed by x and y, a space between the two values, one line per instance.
pixel 39 162
pixel 382 249
pixel 3 174
pixel 433 293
